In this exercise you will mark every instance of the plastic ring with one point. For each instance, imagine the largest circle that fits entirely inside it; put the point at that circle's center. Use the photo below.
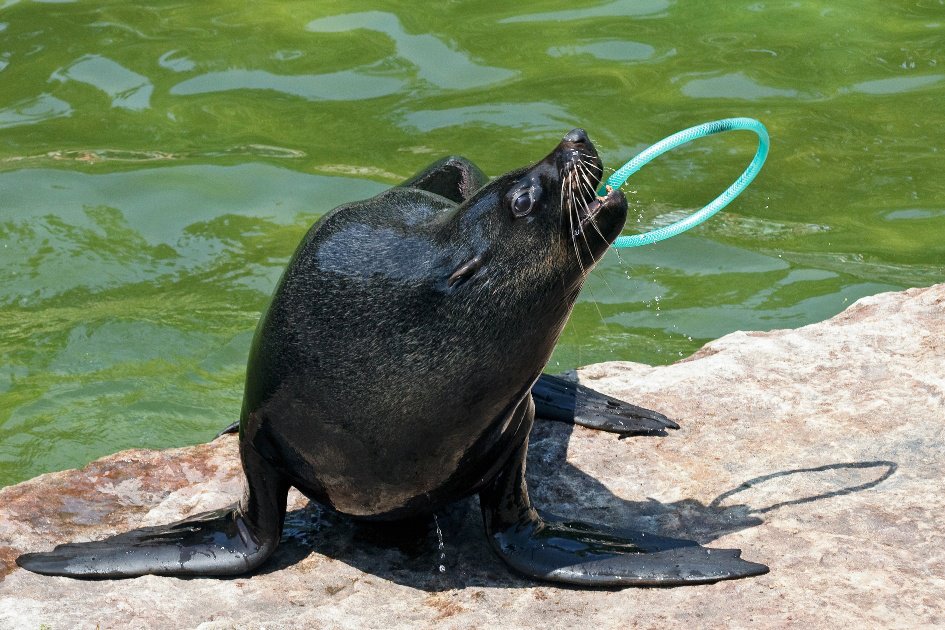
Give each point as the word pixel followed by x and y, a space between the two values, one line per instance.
pixel 676 140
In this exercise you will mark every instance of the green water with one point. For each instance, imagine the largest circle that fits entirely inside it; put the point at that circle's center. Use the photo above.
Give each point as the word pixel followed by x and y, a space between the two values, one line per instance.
pixel 159 161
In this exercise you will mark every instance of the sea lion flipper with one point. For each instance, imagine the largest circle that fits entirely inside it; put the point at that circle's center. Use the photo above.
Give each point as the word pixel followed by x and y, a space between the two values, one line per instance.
pixel 231 428
pixel 207 544
pixel 453 177
pixel 577 553
pixel 564 401
pixel 229 541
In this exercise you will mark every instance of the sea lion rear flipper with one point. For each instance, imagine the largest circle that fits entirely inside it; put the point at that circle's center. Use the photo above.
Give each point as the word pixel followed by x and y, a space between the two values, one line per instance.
pixel 564 401
pixel 231 428
pixel 453 177
pixel 577 553
pixel 229 541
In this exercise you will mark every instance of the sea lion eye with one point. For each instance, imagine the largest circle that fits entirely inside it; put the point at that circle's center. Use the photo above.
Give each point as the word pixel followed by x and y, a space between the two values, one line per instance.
pixel 523 203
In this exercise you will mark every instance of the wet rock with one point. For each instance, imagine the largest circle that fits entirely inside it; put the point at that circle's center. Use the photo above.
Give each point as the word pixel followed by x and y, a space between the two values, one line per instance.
pixel 818 451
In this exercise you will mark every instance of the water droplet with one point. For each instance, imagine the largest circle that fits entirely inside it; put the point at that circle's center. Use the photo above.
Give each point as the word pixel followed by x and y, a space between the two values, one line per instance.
pixel 440 545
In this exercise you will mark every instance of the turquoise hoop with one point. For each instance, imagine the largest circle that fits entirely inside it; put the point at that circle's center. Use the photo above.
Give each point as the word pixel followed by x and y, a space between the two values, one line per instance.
pixel 676 140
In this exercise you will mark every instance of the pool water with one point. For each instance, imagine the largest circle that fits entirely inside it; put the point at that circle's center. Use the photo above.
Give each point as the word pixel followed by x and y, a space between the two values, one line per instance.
pixel 159 162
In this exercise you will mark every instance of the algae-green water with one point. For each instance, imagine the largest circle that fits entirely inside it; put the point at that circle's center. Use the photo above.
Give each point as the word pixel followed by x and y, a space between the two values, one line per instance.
pixel 159 162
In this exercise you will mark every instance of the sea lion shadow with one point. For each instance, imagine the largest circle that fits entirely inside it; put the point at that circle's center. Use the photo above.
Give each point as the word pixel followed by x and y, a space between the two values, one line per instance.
pixel 452 552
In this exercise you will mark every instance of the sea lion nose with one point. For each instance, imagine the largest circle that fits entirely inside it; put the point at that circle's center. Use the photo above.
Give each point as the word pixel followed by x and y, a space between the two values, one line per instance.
pixel 577 136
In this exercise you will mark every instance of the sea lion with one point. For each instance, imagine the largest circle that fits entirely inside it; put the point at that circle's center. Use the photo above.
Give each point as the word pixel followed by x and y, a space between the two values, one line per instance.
pixel 398 368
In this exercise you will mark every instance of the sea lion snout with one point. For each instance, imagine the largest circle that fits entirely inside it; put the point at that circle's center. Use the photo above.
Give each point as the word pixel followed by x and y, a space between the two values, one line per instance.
pixel 577 136
pixel 576 146
pixel 594 220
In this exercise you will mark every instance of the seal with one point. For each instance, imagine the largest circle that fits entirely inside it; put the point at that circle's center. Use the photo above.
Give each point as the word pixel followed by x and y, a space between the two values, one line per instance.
pixel 398 368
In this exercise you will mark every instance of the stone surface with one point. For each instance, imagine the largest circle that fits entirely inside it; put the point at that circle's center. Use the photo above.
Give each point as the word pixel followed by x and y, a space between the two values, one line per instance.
pixel 819 451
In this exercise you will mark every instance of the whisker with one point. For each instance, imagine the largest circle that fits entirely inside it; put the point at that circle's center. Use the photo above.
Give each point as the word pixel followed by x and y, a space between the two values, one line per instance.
pixel 587 184
pixel 561 201
pixel 581 182
pixel 572 231
pixel 590 157
pixel 597 306
pixel 619 258
pixel 590 176
pixel 587 271
pixel 589 187
pixel 581 187
pixel 589 172
pixel 587 244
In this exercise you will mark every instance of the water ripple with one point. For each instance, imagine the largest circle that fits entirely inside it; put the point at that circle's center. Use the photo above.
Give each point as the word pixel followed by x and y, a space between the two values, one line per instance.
pixel 897 85
pixel 34 110
pixel 914 214
pixel 612 50
pixel 127 89
pixel 347 85
pixel 618 8
pixel 436 61
pixel 526 116
pixel 176 64
pixel 736 85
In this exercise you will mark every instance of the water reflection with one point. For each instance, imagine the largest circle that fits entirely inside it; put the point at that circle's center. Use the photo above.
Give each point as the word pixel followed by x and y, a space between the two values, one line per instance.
pixel 176 64
pixel 127 89
pixel 734 85
pixel 161 223
pixel 34 110
pixel 897 85
pixel 436 61
pixel 914 214
pixel 529 116
pixel 765 310
pixel 614 50
pixel 347 85
pixel 699 257
pixel 618 8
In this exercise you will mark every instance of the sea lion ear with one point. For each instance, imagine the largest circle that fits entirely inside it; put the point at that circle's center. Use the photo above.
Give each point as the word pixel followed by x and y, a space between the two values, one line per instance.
pixel 464 272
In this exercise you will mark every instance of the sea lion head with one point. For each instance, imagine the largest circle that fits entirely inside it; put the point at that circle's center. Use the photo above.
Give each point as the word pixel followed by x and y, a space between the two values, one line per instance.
pixel 544 221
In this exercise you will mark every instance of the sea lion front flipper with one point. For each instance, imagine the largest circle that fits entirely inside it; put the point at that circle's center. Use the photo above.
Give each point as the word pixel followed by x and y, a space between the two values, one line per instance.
pixel 577 553
pixel 564 401
pixel 229 541
pixel 453 177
